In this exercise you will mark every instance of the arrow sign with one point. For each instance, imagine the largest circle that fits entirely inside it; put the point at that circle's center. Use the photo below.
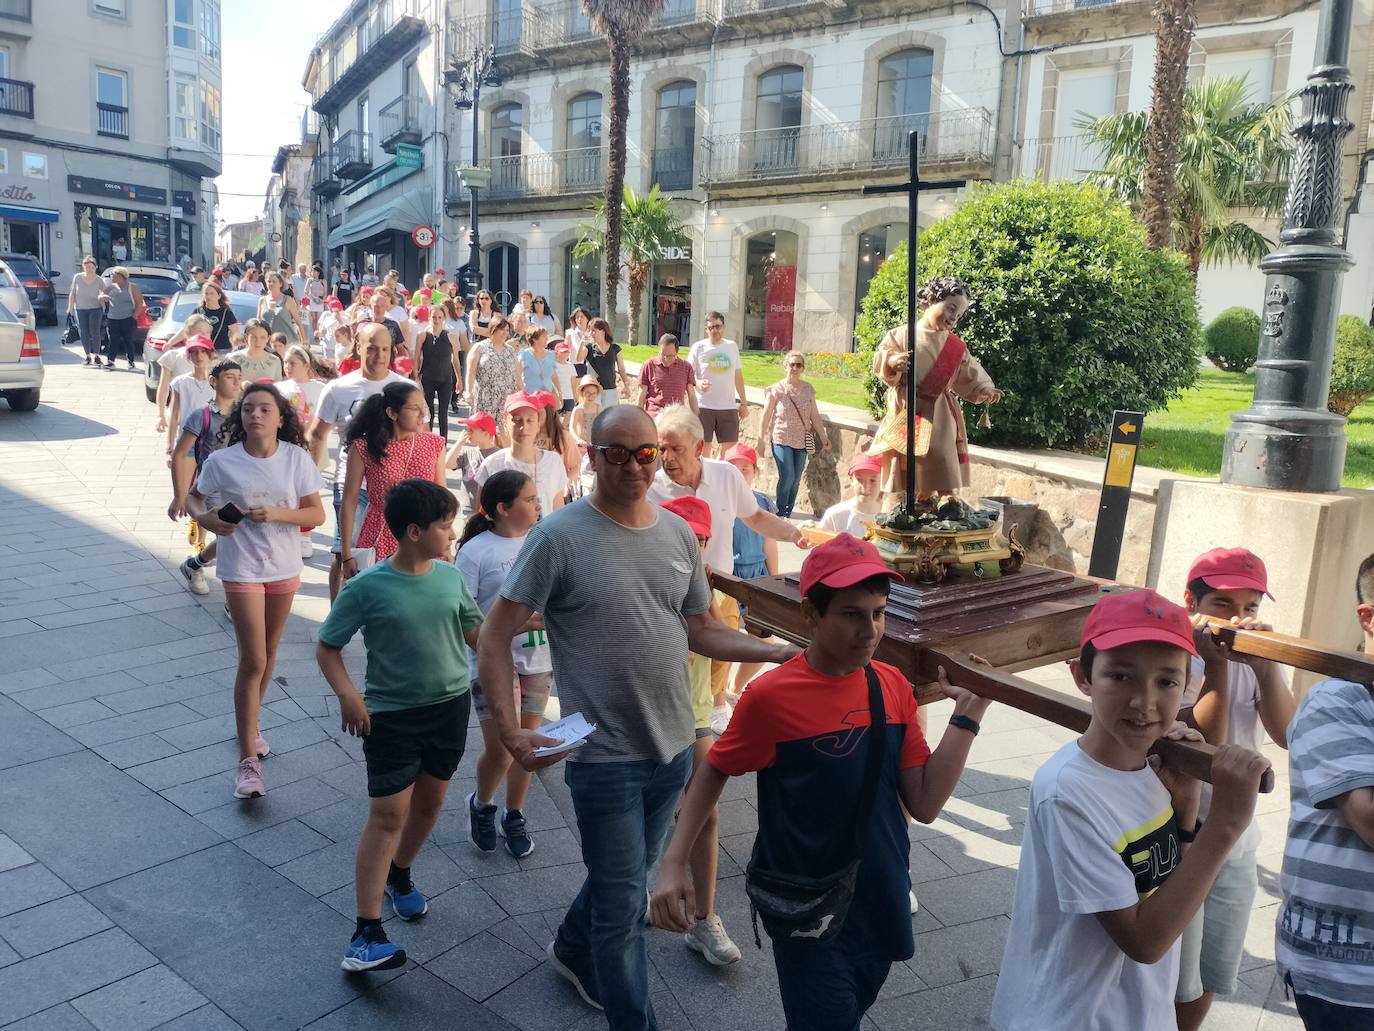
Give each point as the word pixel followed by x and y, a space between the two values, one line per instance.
pixel 1122 449
pixel 1127 428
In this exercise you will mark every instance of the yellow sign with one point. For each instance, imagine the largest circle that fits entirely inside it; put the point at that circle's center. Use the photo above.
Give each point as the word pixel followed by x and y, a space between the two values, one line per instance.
pixel 1120 464
pixel 1127 428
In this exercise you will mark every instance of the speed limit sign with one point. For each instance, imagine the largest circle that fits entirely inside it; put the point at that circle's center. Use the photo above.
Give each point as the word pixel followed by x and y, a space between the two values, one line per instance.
pixel 423 237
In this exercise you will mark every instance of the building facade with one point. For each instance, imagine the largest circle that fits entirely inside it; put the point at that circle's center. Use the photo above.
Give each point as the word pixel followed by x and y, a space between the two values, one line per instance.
pixel 110 122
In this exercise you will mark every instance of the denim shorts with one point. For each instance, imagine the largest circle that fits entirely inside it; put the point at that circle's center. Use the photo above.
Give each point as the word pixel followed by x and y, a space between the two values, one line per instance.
pixel 532 692
pixel 1214 942
pixel 337 547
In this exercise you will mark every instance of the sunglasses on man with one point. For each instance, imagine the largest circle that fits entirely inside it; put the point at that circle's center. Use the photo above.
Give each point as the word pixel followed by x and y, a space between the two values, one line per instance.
pixel 616 454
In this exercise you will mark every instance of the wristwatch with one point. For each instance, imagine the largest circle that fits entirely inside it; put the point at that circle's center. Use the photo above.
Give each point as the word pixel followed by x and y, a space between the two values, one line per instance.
pixel 965 723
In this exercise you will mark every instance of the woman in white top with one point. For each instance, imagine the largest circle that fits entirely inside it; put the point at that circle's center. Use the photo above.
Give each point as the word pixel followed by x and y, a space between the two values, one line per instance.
pixel 539 317
pixel 254 494
pixel 250 283
pixel 83 300
pixel 578 333
pixel 479 319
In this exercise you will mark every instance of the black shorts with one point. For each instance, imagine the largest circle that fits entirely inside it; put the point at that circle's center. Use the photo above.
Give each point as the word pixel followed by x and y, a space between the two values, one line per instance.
pixel 407 742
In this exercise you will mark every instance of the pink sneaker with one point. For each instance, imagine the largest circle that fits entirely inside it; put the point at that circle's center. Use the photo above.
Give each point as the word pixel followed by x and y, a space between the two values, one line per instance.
pixel 261 747
pixel 249 783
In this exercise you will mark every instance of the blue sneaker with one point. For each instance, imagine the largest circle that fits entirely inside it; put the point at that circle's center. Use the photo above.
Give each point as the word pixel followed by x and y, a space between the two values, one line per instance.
pixel 367 953
pixel 407 900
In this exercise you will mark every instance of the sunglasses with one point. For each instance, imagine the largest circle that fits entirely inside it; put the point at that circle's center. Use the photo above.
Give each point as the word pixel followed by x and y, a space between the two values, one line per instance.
pixel 616 454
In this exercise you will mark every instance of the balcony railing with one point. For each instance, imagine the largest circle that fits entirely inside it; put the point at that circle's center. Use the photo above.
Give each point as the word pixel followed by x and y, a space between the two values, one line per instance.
pixel 19 10
pixel 548 174
pixel 352 154
pixel 399 122
pixel 322 178
pixel 112 120
pixel 510 32
pixel 685 12
pixel 354 59
pixel 1061 157
pixel 565 24
pixel 16 98
pixel 673 167
pixel 958 136
pixel 745 8
pixel 1039 8
pixel 310 124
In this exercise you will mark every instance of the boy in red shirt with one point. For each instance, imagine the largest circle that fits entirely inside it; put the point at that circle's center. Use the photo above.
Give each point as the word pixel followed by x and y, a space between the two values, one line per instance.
pixel 805 728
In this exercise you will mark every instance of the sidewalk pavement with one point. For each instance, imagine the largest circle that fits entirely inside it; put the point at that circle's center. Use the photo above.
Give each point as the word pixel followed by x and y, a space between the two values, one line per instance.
pixel 135 892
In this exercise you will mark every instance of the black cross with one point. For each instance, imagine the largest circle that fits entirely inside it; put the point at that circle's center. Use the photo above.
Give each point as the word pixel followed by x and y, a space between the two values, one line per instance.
pixel 912 188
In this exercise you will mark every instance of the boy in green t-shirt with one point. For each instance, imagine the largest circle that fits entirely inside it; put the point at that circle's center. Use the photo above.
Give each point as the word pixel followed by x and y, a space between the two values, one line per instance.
pixel 413 715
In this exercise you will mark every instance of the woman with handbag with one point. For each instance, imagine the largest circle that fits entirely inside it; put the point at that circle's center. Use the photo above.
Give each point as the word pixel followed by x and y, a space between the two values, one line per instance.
pixel 387 442
pixel 793 428
pixel 83 300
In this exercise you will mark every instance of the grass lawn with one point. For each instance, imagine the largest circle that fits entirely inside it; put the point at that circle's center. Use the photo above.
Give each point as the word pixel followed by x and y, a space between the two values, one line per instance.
pixel 763 370
pixel 1187 436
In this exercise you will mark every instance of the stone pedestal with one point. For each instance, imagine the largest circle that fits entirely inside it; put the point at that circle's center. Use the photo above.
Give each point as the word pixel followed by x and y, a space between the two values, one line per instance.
pixel 1312 545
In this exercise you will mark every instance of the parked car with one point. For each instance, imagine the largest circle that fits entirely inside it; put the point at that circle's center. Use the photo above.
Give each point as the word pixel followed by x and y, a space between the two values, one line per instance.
pixel 21 362
pixel 157 283
pixel 37 282
pixel 14 297
pixel 174 316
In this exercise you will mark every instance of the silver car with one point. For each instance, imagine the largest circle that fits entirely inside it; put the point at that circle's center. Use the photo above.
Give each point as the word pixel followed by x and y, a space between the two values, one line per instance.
pixel 21 362
pixel 14 297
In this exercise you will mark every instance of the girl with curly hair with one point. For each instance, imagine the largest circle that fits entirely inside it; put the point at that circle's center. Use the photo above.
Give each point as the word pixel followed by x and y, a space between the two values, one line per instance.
pixel 945 373
pixel 255 494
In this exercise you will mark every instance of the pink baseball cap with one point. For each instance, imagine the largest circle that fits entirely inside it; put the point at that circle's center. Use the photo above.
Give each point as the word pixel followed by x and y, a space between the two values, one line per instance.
pixel 1121 619
pixel 480 421
pixel 561 348
pixel 1229 569
pixel 742 453
pixel 843 561
pixel 519 400
pixel 694 510
pixel 543 399
pixel 199 342
pixel 865 463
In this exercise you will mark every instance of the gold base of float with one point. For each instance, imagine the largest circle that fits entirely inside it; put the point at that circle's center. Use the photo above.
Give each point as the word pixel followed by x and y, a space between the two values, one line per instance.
pixel 927 556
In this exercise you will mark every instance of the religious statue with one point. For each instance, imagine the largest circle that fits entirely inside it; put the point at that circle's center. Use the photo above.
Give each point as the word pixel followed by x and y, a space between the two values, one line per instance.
pixel 945 373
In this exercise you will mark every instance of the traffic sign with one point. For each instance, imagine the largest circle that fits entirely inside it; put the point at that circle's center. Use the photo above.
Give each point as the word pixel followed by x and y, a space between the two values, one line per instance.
pixel 423 237
pixel 1123 446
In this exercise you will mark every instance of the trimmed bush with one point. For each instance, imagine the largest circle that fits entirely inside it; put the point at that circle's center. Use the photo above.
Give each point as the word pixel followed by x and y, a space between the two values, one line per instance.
pixel 1231 340
pixel 1073 315
pixel 1352 374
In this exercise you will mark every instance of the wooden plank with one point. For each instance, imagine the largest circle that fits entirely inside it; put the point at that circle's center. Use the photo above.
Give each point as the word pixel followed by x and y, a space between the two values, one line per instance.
pixel 1299 652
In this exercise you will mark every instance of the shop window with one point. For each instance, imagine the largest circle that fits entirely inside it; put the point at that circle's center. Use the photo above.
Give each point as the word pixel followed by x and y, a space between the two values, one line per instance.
pixel 777 118
pixel 184 24
pixel 770 290
pixel 35 165
pixel 675 135
pixel 584 283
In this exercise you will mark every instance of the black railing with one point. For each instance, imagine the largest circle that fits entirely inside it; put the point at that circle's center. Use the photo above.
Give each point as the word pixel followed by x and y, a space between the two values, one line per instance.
pixel 19 10
pixel 352 154
pixel 400 118
pixel 16 98
pixel 112 120
pixel 673 168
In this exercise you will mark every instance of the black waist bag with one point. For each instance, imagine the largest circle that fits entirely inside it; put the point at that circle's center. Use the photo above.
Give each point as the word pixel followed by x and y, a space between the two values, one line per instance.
pixel 802 908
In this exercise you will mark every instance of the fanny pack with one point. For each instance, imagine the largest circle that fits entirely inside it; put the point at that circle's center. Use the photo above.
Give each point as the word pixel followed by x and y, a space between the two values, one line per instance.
pixel 802 908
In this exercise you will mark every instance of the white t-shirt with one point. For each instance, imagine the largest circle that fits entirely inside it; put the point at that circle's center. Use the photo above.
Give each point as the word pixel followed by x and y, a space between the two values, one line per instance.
pixel 340 399
pixel 563 373
pixel 1244 729
pixel 484 562
pixel 723 488
pixel 191 394
pixel 550 475
pixel 398 315
pixel 1096 840
pixel 304 397
pixel 845 517
pixel 714 369
pixel 259 552
pixel 175 361
pixel 298 285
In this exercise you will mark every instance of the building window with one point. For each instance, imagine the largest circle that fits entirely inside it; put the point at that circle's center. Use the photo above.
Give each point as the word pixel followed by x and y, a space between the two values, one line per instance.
pixel 777 118
pixel 904 84
pixel 875 247
pixel 112 103
pixel 211 114
pixel 114 8
pixel 184 24
pixel 35 165
pixel 584 282
pixel 770 290
pixel 4 161
pixel 210 29
pixel 1083 93
pixel 4 62
pixel 582 163
pixel 503 275
pixel 507 122
pixel 1256 67
pixel 675 128
pixel 185 121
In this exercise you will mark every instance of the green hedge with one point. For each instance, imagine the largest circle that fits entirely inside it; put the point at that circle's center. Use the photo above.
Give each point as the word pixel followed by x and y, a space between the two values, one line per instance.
pixel 1352 373
pixel 1073 315
pixel 1231 340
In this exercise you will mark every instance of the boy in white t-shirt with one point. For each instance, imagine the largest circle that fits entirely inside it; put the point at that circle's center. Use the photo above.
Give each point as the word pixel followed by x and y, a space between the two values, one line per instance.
pixel 849 515
pixel 1235 702
pixel 1106 887
pixel 474 444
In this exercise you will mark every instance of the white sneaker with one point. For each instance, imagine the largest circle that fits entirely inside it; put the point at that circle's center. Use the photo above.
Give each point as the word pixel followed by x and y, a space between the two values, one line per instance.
pixel 195 578
pixel 307 546
pixel 708 937
pixel 915 906
pixel 720 719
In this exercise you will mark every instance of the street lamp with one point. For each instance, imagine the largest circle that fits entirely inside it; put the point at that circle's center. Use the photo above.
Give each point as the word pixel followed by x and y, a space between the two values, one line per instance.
pixel 464 83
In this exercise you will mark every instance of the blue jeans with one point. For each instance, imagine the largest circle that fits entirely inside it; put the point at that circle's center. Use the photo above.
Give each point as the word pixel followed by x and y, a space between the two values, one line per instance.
pixel 623 811
pixel 790 461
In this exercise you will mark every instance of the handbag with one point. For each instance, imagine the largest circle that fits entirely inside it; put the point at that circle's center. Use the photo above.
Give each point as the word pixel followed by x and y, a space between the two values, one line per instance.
pixel 810 439
pixel 802 908
pixel 72 333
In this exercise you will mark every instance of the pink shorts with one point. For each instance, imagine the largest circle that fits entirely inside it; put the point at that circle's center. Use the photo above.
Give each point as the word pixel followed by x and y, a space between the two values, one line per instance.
pixel 288 586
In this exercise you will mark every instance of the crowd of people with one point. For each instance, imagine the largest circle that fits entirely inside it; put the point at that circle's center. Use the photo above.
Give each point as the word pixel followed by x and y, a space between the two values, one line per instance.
pixel 1136 884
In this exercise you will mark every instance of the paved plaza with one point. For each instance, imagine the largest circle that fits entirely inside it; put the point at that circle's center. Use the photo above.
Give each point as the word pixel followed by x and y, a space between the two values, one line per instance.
pixel 135 892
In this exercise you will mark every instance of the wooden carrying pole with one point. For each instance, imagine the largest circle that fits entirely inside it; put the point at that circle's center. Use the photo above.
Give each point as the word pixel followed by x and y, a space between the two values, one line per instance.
pixel 1298 652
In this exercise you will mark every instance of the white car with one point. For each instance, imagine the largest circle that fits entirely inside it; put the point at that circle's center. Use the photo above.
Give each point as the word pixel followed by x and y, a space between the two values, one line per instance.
pixel 14 297
pixel 21 362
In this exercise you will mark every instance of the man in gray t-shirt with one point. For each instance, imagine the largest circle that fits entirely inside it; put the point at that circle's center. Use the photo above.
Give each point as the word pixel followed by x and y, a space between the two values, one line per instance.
pixel 620 585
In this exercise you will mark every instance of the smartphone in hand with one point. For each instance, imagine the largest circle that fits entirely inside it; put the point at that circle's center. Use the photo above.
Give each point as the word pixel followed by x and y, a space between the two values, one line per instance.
pixel 230 513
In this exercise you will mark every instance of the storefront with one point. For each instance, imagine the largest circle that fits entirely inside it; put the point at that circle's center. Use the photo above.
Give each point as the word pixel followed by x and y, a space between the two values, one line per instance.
pixel 670 295
pixel 25 229
pixel 115 233
pixel 770 291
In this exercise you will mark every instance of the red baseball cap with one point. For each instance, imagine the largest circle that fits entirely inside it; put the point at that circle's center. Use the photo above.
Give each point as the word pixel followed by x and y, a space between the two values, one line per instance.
pixel 519 400
pixel 199 342
pixel 1230 569
pixel 742 453
pixel 440 272
pixel 480 421
pixel 694 510
pixel 863 462
pixel 421 313
pixel 1120 619
pixel 543 399
pixel 843 561
pixel 561 348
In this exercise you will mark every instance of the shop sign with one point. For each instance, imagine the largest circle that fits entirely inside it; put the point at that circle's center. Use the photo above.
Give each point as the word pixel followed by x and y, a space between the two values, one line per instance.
pixel 409 156
pixel 186 200
pixel 17 192
pixel 122 191
pixel 780 308
pixel 683 253
pixel 178 211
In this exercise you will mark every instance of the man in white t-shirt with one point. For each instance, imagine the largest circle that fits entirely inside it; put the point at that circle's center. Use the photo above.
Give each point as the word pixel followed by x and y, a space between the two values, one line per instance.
pixel 338 402
pixel 721 399
pixel 299 282
pixel 546 468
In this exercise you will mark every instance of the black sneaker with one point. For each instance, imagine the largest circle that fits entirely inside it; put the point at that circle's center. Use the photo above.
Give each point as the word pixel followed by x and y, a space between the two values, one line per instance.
pixel 482 824
pixel 517 838
pixel 577 972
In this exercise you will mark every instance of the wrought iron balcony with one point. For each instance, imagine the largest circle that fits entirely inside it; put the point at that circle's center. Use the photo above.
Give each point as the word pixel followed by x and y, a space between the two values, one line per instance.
pixel 399 122
pixel 16 98
pixel 352 154
pixel 673 168
pixel 514 34
pixel 310 125
pixel 112 120
pixel 764 8
pixel 954 137
pixel 322 179
pixel 687 12
pixel 373 44
pixel 549 174
pixel 1042 8
pixel 1061 157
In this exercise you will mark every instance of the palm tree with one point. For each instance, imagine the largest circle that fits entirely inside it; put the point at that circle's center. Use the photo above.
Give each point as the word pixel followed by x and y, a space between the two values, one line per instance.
pixel 1173 41
pixel 648 224
pixel 622 22
pixel 1232 154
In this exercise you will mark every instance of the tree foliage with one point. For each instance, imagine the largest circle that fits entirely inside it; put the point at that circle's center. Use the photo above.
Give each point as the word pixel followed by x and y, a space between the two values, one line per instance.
pixel 1231 340
pixel 1073 315
pixel 1352 373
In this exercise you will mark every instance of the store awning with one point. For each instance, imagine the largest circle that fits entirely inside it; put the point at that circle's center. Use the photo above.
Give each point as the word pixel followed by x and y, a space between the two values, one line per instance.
pixel 27 214
pixel 402 214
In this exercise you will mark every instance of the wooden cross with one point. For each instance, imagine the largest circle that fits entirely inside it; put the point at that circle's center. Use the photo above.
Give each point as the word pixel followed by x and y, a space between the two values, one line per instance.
pixel 912 188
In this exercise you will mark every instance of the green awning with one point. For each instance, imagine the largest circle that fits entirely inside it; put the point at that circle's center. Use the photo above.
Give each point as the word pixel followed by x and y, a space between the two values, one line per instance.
pixel 403 214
